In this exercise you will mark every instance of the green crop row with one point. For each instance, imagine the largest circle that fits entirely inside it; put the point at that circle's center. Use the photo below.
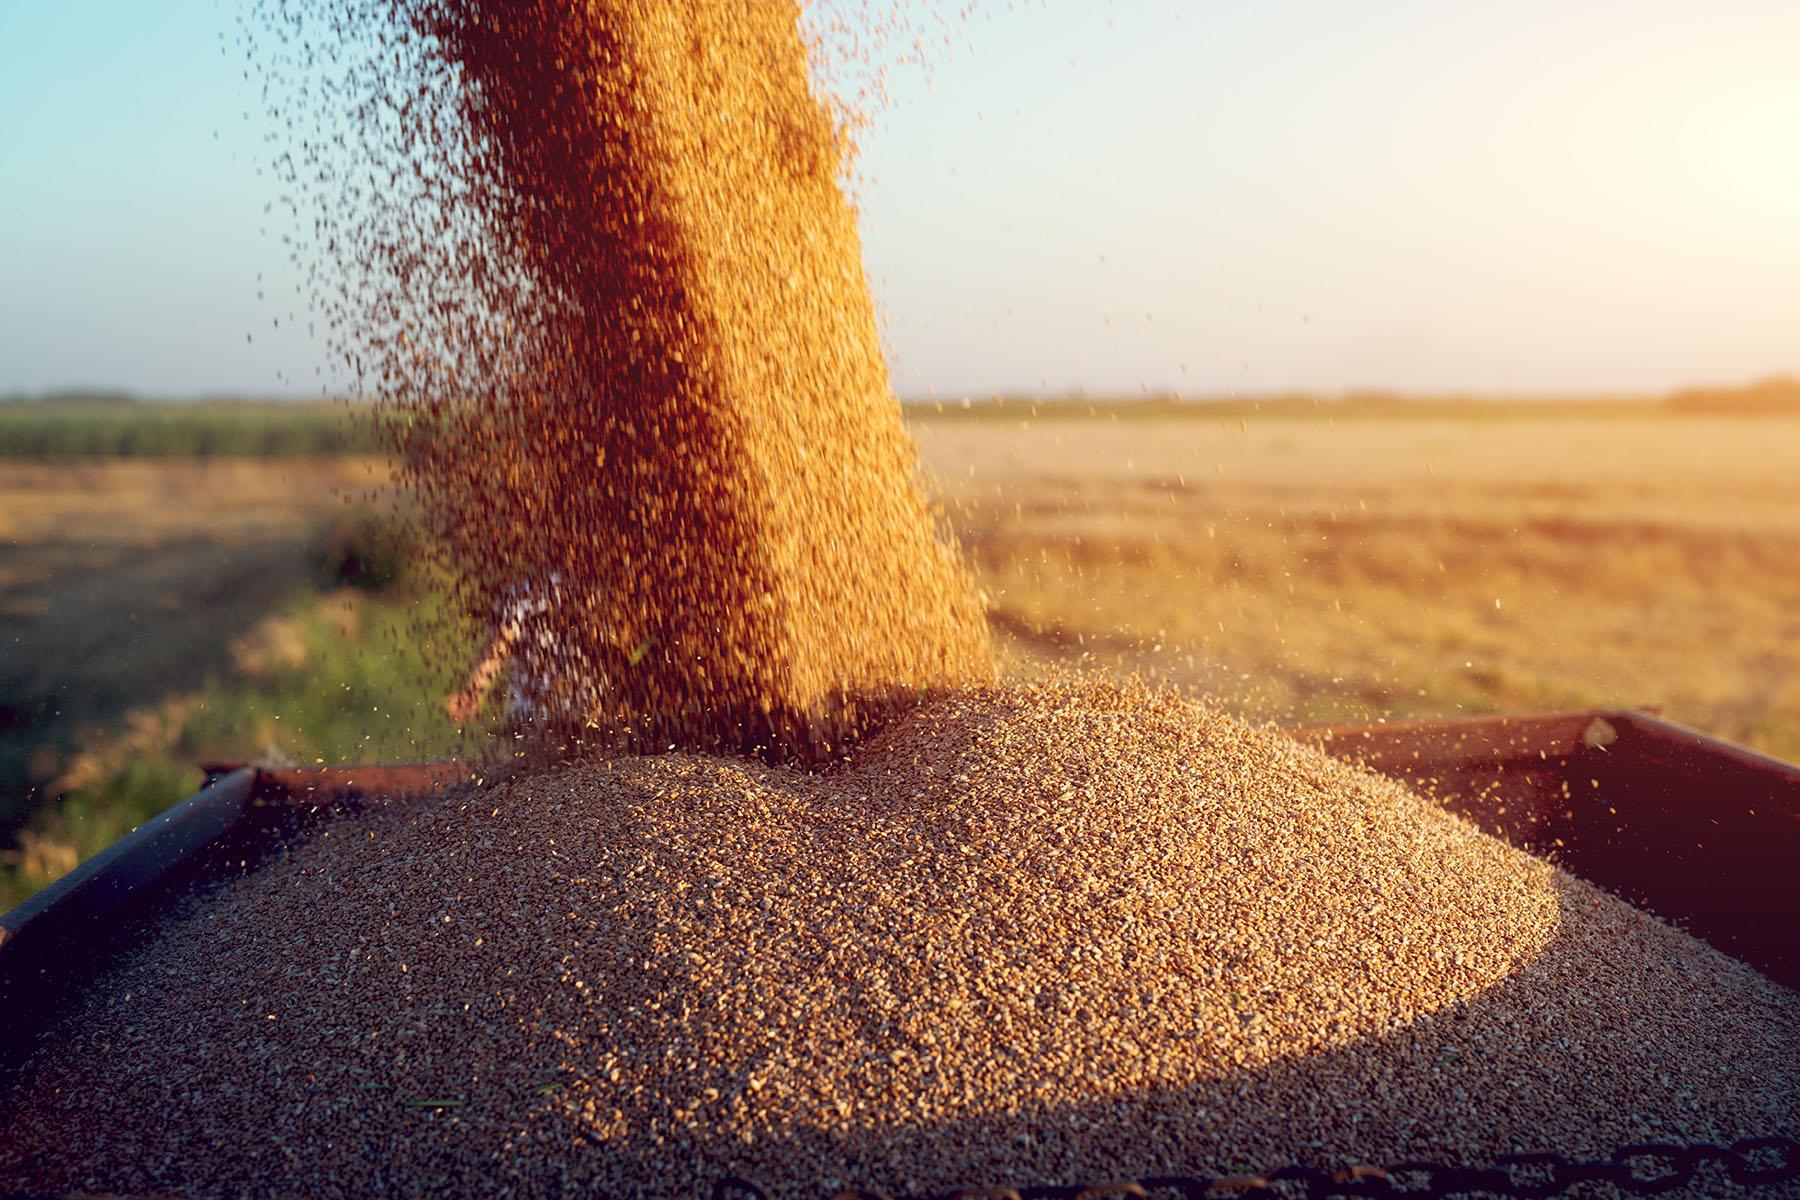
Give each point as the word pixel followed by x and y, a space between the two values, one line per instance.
pixel 118 427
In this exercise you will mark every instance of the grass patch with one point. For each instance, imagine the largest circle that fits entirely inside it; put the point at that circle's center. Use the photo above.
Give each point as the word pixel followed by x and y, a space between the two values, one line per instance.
pixel 338 677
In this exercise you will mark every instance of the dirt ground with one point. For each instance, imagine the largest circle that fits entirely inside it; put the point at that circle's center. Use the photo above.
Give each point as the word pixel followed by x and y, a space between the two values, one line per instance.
pixel 122 581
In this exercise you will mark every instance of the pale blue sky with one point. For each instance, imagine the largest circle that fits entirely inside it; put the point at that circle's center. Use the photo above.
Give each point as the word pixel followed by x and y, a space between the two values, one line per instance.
pixel 1519 196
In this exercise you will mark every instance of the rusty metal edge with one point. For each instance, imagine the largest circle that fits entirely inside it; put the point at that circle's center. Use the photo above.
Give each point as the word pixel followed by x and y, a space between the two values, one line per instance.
pixel 109 880
pixel 102 884
pixel 362 782
pixel 1458 739
pixel 1659 729
pixel 1427 742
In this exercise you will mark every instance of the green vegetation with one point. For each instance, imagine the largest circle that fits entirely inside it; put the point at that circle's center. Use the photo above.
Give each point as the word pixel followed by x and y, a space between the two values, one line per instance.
pixel 75 426
pixel 338 676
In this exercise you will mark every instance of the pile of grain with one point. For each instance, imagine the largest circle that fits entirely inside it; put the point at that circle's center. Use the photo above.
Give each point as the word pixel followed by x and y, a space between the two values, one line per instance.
pixel 1029 936
pixel 617 328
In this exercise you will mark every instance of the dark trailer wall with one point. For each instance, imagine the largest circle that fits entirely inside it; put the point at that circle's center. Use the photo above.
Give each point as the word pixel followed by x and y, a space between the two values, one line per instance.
pixel 1701 832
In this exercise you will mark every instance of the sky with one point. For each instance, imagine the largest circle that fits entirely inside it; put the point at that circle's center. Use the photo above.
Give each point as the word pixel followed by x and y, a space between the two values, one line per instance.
pixel 1210 198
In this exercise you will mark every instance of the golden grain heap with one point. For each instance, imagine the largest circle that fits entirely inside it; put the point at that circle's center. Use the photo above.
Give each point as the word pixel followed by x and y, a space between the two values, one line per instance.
pixel 657 375
pixel 1025 937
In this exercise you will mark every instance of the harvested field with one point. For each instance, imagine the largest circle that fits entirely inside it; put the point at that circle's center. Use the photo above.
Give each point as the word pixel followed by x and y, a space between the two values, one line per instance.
pixel 1500 558
pixel 1036 935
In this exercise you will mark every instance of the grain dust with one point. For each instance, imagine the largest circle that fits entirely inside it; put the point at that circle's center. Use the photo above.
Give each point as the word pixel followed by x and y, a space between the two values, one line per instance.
pixel 609 302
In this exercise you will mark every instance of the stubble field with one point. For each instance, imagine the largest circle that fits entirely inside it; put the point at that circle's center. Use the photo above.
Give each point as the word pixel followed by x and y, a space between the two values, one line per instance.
pixel 1309 568
pixel 1296 565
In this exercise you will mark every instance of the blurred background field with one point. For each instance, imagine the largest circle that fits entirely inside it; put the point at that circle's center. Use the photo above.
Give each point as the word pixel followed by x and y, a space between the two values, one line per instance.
pixel 73 425
pixel 1350 569
pixel 157 611
pixel 185 582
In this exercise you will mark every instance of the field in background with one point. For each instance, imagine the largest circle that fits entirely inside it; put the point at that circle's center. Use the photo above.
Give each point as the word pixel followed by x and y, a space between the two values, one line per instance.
pixel 155 613
pixel 1299 562
pixel 1349 569
pixel 74 426
pixel 84 426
